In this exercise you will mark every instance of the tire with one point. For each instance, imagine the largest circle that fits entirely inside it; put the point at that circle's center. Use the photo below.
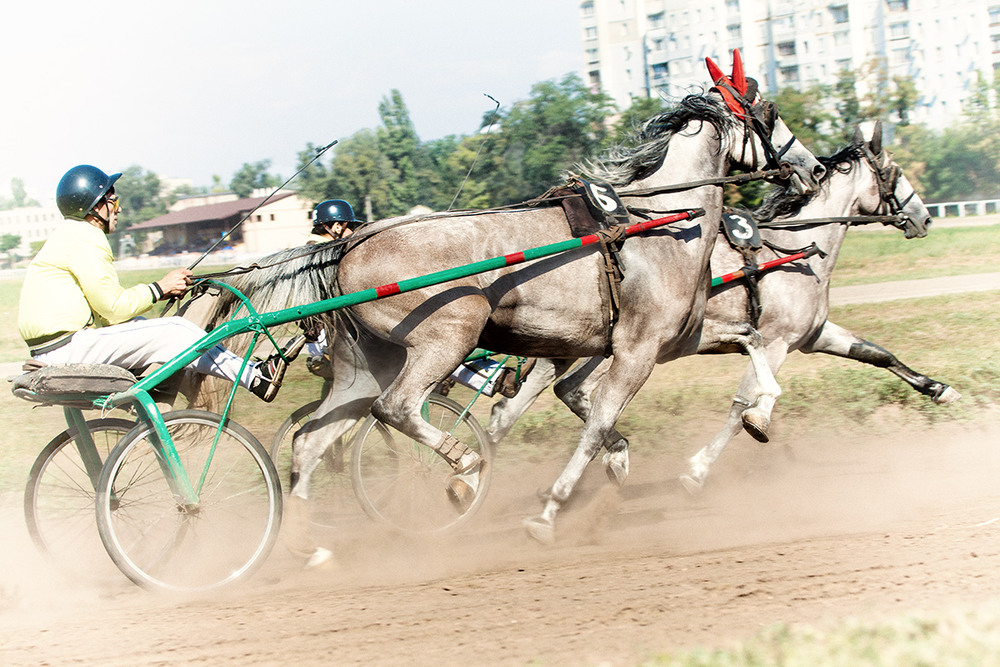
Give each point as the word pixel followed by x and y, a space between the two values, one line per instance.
pixel 403 483
pixel 331 493
pixel 161 543
pixel 59 501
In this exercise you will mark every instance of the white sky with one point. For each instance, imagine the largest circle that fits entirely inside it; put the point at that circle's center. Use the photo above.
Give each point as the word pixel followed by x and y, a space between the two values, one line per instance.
pixel 189 88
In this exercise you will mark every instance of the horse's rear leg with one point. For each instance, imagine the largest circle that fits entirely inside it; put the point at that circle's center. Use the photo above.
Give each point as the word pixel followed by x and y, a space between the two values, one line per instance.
pixel 838 341
pixel 625 376
pixel 507 411
pixel 575 390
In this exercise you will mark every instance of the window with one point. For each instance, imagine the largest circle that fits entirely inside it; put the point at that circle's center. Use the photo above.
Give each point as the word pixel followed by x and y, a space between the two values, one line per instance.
pixel 840 14
pixel 899 30
pixel 995 40
pixel 994 15
pixel 272 217
pixel 840 38
pixel 661 71
pixel 786 49
pixel 732 5
pixel 843 64
pixel 898 5
pixel 734 31
pixel 595 78
pixel 656 20
pixel 587 8
pixel 790 75
pixel 658 44
pixel 592 55
pixel 590 32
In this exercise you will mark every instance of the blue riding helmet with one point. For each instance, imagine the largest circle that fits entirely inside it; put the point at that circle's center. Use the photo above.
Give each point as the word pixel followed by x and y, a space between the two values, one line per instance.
pixel 81 188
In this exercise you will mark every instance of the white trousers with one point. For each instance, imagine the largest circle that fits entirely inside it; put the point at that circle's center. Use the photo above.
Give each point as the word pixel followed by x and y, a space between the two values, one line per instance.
pixel 139 343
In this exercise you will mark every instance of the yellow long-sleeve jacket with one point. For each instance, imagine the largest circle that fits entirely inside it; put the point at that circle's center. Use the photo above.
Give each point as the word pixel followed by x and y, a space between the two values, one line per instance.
pixel 72 282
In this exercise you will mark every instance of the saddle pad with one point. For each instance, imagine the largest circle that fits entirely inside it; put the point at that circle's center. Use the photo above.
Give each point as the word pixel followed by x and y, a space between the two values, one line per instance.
pixel 74 385
pixel 741 229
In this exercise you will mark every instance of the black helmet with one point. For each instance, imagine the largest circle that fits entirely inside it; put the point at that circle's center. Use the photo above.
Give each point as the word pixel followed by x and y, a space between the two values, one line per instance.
pixel 81 188
pixel 334 210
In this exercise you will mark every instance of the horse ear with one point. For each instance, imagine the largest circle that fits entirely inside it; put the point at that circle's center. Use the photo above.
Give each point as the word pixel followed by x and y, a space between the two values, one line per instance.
pixel 876 142
pixel 714 70
pixel 859 138
pixel 739 77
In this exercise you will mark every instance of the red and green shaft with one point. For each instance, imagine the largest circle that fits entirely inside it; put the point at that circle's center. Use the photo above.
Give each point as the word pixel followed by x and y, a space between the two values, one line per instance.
pixel 736 275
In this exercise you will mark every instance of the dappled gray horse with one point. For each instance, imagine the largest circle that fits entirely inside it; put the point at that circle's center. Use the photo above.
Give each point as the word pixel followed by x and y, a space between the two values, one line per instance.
pixel 389 354
pixel 861 180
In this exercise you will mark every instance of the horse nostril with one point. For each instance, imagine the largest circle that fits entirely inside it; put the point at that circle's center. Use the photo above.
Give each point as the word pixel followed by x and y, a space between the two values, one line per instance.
pixel 819 171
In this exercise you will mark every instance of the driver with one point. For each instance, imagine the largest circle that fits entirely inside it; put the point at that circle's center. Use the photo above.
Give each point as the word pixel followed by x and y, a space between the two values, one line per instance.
pixel 73 308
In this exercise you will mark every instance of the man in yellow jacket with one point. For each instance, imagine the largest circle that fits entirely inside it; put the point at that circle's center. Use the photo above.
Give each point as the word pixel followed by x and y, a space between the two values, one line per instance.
pixel 73 308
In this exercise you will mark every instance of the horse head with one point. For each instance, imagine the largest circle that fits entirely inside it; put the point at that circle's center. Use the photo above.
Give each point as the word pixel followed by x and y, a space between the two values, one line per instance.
pixel 895 195
pixel 764 133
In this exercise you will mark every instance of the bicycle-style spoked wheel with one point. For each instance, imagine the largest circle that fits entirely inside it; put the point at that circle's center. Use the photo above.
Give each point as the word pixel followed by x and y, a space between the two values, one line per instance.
pixel 404 483
pixel 160 541
pixel 59 499
pixel 331 494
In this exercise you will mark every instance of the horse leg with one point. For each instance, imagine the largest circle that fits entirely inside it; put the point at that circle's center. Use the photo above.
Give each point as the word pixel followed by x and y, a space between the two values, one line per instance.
pixel 354 387
pixel 507 411
pixel 838 341
pixel 575 390
pixel 756 417
pixel 773 357
pixel 625 376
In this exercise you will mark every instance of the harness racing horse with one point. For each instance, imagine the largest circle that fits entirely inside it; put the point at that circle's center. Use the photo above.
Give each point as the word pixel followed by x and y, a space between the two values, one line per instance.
pixel 389 354
pixel 861 180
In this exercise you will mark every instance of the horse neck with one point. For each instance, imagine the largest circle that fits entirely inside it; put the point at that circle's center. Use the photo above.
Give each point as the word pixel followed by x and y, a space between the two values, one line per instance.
pixel 694 154
pixel 839 196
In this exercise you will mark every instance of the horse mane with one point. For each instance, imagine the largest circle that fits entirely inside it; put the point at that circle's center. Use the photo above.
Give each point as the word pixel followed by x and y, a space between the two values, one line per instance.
pixel 783 201
pixel 284 279
pixel 644 151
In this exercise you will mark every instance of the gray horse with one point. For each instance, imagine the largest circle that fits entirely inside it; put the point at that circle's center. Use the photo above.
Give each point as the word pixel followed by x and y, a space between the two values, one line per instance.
pixel 389 354
pixel 861 180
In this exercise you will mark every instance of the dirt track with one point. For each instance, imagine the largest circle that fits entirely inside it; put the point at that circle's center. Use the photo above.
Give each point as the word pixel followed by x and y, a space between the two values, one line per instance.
pixel 846 527
pixel 849 524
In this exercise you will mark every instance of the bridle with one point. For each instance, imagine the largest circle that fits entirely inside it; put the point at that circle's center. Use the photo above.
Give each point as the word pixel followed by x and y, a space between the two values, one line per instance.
pixel 887 178
pixel 760 116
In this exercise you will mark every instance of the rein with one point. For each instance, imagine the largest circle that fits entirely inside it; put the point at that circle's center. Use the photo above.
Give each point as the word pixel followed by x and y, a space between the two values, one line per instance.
pixel 784 171
pixel 894 220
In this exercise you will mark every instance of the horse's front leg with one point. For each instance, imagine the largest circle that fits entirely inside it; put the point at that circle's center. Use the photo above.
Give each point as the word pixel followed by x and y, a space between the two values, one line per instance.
pixel 625 376
pixel 756 416
pixel 575 390
pixel 838 341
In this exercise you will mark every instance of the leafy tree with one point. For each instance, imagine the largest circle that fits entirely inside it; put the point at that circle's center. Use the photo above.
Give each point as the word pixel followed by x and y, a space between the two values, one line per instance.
pixel 399 143
pixel 848 107
pixel 140 196
pixel 806 114
pixel 9 242
pixel 253 176
pixel 562 122
pixel 640 110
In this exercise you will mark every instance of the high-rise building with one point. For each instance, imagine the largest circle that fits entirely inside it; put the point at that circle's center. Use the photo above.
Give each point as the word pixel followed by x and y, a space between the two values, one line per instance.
pixel 641 48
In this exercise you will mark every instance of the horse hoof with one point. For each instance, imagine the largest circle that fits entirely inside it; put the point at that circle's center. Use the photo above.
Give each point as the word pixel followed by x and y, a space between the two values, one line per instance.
pixel 756 424
pixel 947 396
pixel 540 530
pixel 462 489
pixel 691 485
pixel 616 467
pixel 319 558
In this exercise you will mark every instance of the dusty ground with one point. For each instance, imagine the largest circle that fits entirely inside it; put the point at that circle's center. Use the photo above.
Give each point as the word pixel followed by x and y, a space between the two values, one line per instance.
pixel 852 525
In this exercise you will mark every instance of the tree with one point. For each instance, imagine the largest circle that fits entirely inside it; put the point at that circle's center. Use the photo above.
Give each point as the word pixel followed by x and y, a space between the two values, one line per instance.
pixel 139 192
pixel 806 114
pixel 848 106
pixel 253 176
pixel 630 121
pixel 560 124
pixel 9 242
pixel 399 143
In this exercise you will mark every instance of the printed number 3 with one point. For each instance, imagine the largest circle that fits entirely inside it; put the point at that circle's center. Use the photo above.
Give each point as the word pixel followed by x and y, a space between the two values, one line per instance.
pixel 744 230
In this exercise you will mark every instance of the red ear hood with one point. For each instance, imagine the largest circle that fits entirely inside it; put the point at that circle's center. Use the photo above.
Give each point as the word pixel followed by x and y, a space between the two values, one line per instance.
pixel 738 82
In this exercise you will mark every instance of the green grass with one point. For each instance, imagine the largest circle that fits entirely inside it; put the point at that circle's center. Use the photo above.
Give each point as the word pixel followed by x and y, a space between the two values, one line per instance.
pixel 955 637
pixel 872 256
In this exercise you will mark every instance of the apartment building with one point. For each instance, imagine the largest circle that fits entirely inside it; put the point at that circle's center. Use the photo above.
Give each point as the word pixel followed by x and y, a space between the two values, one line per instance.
pixel 639 48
